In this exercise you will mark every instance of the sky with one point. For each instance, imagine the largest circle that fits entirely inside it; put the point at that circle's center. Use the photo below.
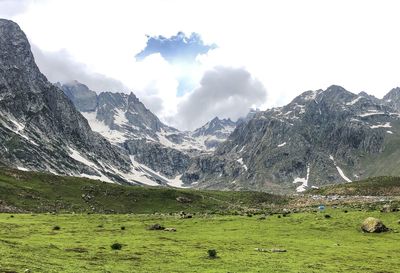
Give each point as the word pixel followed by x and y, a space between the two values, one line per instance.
pixel 190 61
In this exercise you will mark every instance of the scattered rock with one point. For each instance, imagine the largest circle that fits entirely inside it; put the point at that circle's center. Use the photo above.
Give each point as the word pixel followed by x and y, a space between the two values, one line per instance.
pixel 262 217
pixel 183 199
pixel 77 249
pixel 156 227
pixel 170 229
pixel 270 250
pixel 185 215
pixel 373 225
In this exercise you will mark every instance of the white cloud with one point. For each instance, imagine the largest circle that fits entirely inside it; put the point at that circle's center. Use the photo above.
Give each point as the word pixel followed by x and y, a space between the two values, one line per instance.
pixel 290 46
pixel 10 8
pixel 225 92
pixel 59 66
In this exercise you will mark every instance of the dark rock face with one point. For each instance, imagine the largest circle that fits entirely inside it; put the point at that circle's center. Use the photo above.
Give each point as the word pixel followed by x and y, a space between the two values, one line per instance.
pixel 40 127
pixel 167 161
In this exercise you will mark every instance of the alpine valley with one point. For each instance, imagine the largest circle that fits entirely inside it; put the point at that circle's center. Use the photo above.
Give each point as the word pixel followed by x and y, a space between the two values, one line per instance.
pixel 321 137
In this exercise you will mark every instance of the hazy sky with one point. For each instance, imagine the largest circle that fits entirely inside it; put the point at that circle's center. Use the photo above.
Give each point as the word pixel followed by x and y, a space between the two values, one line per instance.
pixel 279 49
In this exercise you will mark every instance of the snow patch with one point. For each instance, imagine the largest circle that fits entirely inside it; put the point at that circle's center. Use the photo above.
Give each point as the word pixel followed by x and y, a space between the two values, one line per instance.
pixel 353 101
pixel 22 169
pixel 385 125
pixel 282 144
pixel 96 125
pixel 304 181
pixel 389 132
pixel 371 113
pixel 120 118
pixel 78 157
pixel 341 173
pixel 240 160
pixel 144 172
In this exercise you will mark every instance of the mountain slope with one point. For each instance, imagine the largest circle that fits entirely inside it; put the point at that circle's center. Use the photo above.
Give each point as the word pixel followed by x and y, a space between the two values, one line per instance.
pixel 321 137
pixel 40 129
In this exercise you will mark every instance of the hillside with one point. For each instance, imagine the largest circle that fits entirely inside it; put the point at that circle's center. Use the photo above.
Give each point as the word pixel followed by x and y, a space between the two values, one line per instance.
pixel 375 186
pixel 22 191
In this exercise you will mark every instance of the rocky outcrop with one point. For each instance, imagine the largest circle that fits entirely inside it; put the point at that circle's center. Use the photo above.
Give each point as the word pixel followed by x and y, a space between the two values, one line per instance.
pixel 373 225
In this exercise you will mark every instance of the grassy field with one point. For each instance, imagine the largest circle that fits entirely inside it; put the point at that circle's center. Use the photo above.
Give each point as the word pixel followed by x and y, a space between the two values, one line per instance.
pixel 83 243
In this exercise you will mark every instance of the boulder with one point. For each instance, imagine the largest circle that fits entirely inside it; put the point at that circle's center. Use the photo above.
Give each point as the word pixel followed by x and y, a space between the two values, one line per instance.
pixel 183 199
pixel 156 227
pixel 170 229
pixel 373 225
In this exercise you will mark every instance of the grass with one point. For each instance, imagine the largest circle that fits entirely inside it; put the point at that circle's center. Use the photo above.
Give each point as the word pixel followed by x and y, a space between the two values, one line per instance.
pixel 313 243
pixel 375 186
pixel 40 192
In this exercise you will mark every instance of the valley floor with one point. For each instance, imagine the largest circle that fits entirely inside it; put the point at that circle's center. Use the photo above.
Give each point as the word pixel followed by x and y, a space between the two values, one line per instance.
pixel 313 242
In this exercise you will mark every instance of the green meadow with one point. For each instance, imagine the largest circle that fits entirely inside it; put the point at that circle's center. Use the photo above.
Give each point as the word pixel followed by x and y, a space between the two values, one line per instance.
pixel 313 243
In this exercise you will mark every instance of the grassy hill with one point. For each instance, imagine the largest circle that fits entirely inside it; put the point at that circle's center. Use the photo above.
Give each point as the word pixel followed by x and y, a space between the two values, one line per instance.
pixel 41 192
pixel 375 186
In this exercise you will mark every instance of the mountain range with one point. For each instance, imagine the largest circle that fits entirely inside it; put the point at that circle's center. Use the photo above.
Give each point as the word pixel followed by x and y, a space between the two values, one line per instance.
pixel 321 137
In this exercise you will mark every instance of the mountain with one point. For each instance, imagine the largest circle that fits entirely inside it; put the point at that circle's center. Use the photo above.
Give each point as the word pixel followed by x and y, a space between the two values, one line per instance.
pixel 214 132
pixel 120 117
pixel 41 130
pixel 125 121
pixel 321 137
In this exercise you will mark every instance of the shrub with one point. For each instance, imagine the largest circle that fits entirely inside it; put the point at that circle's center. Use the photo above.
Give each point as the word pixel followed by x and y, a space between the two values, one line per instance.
pixel 56 228
pixel 212 253
pixel 327 216
pixel 116 246
pixel 122 228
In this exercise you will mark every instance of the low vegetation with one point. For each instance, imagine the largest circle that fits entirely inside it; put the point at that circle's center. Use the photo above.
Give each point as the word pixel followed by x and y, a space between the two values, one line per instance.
pixel 39 192
pixel 66 224
pixel 299 242
pixel 375 186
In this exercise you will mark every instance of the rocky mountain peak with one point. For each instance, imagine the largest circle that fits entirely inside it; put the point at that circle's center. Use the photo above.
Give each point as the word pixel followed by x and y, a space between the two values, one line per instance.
pixel 393 98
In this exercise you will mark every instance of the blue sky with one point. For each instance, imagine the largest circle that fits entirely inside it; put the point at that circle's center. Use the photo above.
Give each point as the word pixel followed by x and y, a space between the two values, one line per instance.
pixel 181 51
